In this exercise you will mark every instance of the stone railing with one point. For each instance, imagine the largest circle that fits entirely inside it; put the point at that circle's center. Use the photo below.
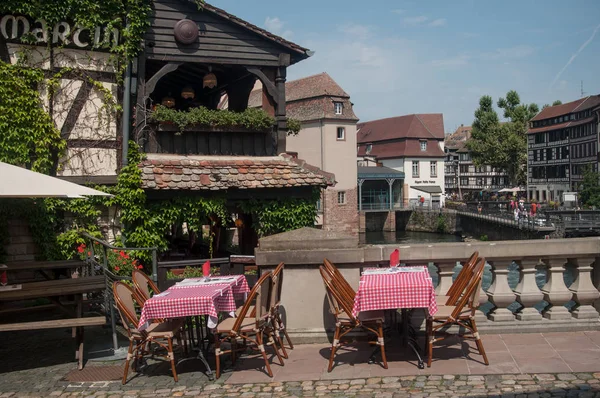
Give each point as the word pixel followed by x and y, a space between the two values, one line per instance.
pixel 524 283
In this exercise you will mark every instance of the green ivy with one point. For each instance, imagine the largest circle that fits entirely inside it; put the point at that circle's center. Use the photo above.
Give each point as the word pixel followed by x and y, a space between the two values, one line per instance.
pixel 251 118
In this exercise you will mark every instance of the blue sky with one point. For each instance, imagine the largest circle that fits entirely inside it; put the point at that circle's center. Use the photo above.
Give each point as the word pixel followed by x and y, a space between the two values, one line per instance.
pixel 402 57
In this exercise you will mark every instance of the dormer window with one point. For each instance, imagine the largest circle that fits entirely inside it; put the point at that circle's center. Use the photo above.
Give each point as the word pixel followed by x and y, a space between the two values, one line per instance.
pixel 338 108
pixel 423 146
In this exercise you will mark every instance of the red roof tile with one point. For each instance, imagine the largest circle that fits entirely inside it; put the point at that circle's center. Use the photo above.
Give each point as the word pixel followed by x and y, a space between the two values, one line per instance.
pixel 569 107
pixel 311 98
pixel 426 126
pixel 174 172
pixel 399 149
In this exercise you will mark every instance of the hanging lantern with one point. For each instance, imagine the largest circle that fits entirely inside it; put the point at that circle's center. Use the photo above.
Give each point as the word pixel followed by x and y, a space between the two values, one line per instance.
pixel 210 80
pixel 188 93
pixel 239 223
pixel 168 101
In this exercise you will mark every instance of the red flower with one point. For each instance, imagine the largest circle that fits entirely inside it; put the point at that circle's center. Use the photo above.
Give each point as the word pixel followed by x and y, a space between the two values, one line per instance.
pixel 140 266
pixel 89 253
pixel 122 253
pixel 81 248
pixel 117 268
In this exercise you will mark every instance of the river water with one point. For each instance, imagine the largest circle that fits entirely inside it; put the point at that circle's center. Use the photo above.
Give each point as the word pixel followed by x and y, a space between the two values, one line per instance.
pixel 408 237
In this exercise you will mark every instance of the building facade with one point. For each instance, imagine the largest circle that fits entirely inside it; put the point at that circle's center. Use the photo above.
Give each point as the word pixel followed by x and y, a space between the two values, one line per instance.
pixel 562 142
pixel 327 140
pixel 412 144
pixel 462 177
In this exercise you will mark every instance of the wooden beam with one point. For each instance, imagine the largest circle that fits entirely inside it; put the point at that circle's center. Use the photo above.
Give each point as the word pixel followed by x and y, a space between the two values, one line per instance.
pixel 151 83
pixel 268 84
pixel 73 114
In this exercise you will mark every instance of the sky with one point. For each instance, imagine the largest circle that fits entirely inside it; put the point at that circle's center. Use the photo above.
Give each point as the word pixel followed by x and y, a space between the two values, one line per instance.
pixel 401 57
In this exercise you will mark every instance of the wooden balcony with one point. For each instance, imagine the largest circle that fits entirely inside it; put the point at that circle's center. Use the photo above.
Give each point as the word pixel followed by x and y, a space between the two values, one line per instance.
pixel 207 140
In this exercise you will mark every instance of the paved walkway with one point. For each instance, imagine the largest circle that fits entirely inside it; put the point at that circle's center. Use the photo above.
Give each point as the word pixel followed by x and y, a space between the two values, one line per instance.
pixel 521 365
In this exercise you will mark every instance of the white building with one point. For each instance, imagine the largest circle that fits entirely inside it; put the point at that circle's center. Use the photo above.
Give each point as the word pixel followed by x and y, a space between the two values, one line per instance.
pixel 413 144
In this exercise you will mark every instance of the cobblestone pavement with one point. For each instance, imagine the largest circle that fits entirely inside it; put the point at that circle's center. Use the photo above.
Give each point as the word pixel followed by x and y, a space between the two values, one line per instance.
pixel 514 386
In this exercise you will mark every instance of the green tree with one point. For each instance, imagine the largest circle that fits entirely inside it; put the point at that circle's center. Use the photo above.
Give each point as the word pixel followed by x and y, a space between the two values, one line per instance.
pixel 557 102
pixel 502 145
pixel 589 195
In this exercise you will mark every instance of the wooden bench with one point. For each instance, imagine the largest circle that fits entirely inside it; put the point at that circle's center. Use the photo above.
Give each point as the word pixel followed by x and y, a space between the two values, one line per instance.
pixel 76 323
pixel 55 287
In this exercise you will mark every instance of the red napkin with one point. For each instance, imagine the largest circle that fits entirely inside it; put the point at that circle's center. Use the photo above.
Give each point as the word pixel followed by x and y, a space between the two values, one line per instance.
pixel 395 258
pixel 206 268
pixel 3 278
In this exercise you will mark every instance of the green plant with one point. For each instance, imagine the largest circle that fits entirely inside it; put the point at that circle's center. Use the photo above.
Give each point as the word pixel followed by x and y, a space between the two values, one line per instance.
pixel 192 272
pixel 483 238
pixel 251 118
pixel 442 226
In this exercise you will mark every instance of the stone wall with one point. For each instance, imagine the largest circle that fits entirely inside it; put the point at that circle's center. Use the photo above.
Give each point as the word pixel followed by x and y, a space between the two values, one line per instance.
pixel 341 217
pixel 21 246
pixel 428 221
pixel 377 221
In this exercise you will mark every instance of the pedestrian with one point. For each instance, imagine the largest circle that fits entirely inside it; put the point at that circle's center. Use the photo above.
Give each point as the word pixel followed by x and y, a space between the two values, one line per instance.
pixel 533 208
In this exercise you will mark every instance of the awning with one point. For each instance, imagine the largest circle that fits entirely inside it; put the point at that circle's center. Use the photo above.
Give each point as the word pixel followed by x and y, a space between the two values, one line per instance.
pixel 431 189
pixel 378 173
pixel 17 182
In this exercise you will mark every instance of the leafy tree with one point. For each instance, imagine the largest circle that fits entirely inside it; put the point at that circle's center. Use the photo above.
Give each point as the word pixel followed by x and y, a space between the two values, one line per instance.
pixel 589 194
pixel 557 102
pixel 502 145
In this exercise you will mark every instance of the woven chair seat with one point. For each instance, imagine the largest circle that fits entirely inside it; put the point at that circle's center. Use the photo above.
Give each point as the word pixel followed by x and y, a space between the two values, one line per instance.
pixel 444 311
pixel 225 326
pixel 366 316
pixel 163 329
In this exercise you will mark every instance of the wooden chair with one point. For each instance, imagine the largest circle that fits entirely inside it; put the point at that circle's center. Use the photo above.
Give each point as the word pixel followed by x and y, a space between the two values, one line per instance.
pixel 276 319
pixel 344 286
pixel 459 284
pixel 341 308
pixel 250 329
pixel 143 285
pixel 463 318
pixel 161 333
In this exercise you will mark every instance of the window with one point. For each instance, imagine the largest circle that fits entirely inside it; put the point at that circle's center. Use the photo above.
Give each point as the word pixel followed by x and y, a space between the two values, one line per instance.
pixel 415 168
pixel 341 134
pixel 423 146
pixel 433 168
pixel 338 107
pixel 369 148
pixel 464 181
pixel 319 205
pixel 342 198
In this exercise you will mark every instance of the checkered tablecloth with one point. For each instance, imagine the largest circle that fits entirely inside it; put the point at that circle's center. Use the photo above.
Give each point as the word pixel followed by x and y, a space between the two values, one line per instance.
pixel 239 286
pixel 395 290
pixel 178 302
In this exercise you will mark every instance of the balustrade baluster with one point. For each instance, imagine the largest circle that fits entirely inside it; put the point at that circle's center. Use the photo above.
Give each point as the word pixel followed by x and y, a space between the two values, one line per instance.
pixel 596 280
pixel 584 292
pixel 555 291
pixel 500 294
pixel 527 291
pixel 445 271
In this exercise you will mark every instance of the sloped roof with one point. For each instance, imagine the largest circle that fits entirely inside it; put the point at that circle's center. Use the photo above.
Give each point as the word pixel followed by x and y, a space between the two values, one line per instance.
pixel 311 98
pixel 570 107
pixel 425 126
pixel 247 25
pixel 559 126
pixel 399 149
pixel 215 173
pixel 462 133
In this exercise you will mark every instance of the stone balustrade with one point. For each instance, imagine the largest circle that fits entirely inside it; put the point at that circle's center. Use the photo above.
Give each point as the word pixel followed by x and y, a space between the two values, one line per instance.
pixel 539 299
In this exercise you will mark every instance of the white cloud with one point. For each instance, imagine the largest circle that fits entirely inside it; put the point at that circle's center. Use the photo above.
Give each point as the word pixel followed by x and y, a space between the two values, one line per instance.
pixel 437 22
pixel 416 20
pixel 276 26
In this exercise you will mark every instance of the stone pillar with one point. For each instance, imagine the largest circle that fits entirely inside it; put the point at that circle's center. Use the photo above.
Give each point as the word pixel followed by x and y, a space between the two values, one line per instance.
pixel 445 272
pixel 527 292
pixel 584 292
pixel 499 293
pixel 555 291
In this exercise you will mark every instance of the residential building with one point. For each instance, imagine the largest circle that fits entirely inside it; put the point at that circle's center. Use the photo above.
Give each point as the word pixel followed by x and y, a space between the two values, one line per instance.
pixel 412 144
pixel 327 140
pixel 462 176
pixel 562 141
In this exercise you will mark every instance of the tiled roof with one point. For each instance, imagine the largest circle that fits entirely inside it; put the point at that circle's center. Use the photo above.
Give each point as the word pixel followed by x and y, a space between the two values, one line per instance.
pixel 570 107
pixel 247 25
pixel 462 133
pixel 559 126
pixel 404 148
pixel 426 126
pixel 217 173
pixel 312 98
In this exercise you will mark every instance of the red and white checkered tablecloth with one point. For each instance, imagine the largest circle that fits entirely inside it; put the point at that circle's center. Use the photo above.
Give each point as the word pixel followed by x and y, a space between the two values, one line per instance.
pixel 239 286
pixel 178 302
pixel 395 290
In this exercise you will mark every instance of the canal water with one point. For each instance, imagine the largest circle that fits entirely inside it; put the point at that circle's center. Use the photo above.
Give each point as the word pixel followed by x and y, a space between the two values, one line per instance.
pixel 408 237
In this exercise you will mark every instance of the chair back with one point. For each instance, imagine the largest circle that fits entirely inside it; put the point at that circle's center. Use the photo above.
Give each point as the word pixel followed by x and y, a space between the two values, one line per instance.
pixel 462 280
pixel 125 298
pixel 264 279
pixel 340 281
pixel 470 297
pixel 143 284
pixel 338 303
pixel 277 279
